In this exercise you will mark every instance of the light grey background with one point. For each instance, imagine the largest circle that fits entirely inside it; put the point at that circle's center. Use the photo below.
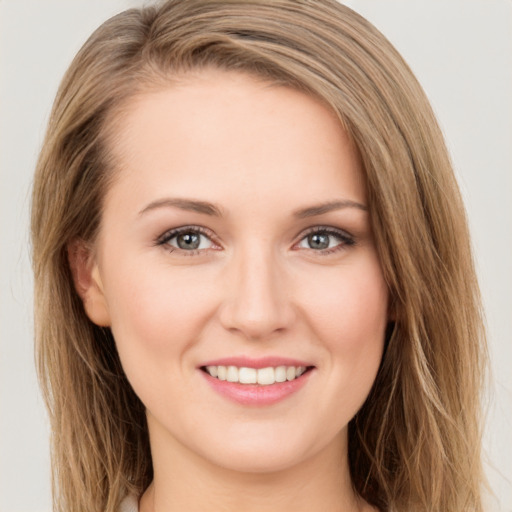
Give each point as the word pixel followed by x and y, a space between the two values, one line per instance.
pixel 461 50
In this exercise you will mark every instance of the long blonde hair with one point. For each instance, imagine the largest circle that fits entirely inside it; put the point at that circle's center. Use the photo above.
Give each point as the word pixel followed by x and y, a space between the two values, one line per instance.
pixel 415 443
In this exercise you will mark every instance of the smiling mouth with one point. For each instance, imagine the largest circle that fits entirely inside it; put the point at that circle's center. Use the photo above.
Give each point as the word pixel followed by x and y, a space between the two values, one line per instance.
pixel 262 376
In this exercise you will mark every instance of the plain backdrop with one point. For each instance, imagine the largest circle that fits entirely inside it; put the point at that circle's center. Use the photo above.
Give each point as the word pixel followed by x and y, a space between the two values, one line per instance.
pixel 461 52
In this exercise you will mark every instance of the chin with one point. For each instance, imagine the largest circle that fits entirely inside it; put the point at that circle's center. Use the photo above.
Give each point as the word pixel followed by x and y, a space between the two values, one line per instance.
pixel 269 451
pixel 261 462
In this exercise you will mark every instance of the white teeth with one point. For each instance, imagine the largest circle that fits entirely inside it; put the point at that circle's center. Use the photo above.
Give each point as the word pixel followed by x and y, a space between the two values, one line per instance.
pixel 232 374
pixel 280 373
pixel 262 376
pixel 221 372
pixel 266 376
pixel 247 375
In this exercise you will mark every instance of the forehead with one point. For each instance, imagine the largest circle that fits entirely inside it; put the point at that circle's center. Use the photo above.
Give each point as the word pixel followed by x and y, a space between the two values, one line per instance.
pixel 216 132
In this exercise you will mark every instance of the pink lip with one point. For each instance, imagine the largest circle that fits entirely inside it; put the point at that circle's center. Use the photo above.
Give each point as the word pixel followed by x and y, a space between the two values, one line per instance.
pixel 262 362
pixel 255 394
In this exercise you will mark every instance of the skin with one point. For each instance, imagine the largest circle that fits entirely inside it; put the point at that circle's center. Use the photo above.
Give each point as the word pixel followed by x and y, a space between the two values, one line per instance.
pixel 255 287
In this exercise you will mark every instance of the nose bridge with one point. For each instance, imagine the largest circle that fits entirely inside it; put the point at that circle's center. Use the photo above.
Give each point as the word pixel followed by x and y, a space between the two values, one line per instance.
pixel 257 303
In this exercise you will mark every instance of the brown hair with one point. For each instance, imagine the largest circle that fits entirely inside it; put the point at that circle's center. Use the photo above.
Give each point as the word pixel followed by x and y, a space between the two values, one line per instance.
pixel 415 444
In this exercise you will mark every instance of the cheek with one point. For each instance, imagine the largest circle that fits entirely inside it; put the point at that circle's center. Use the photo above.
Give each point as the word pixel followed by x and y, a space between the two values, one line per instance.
pixel 349 316
pixel 157 312
pixel 350 322
pixel 155 319
pixel 350 308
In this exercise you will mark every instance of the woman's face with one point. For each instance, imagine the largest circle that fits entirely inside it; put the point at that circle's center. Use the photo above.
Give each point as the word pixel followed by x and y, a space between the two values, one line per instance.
pixel 236 244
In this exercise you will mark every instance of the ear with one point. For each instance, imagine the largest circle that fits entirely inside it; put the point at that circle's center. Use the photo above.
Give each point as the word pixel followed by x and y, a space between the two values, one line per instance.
pixel 87 280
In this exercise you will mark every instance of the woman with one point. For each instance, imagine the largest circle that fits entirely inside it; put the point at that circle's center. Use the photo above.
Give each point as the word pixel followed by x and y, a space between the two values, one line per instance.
pixel 254 285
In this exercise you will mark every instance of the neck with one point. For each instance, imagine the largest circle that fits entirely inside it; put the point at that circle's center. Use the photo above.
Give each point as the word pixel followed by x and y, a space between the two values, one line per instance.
pixel 183 481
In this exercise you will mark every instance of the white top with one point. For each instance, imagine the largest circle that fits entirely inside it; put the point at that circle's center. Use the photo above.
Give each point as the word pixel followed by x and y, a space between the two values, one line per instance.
pixel 129 504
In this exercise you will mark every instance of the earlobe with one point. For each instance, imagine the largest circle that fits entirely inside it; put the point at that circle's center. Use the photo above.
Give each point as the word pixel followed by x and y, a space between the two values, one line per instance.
pixel 87 281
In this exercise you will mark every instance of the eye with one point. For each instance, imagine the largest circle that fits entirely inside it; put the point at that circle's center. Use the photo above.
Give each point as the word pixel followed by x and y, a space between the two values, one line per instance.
pixel 326 240
pixel 189 239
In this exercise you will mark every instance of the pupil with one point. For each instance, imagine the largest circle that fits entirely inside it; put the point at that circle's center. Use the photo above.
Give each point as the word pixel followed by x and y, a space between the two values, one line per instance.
pixel 188 241
pixel 318 241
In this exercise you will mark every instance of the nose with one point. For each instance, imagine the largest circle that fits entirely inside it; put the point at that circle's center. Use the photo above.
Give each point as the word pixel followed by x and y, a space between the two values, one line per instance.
pixel 257 301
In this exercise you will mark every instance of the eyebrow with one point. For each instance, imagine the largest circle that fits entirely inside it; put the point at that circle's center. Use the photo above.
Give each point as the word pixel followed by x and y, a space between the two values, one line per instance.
pixel 207 208
pixel 191 205
pixel 329 206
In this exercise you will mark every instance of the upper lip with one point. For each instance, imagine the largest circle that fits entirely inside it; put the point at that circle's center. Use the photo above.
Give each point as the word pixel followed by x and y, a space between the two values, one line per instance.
pixel 260 362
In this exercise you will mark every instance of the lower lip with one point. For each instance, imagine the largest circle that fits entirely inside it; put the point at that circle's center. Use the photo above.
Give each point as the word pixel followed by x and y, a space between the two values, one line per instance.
pixel 254 394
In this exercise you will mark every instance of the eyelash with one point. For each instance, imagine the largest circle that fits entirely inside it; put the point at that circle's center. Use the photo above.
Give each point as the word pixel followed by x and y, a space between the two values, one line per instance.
pixel 346 240
pixel 173 233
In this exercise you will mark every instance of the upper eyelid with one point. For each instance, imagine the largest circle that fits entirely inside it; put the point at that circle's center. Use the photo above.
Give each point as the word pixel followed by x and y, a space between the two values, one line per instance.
pixel 171 233
pixel 326 229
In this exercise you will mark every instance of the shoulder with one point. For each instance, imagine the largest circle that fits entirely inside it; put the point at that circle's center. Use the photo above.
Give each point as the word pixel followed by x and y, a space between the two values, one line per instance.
pixel 129 504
